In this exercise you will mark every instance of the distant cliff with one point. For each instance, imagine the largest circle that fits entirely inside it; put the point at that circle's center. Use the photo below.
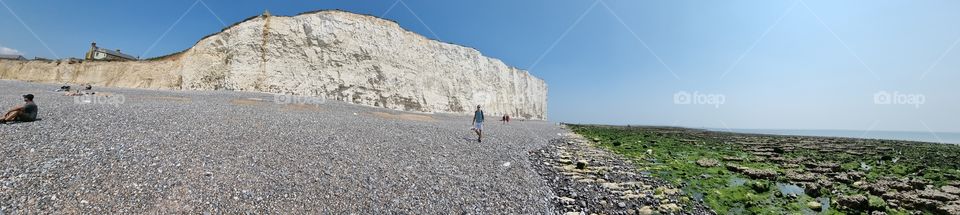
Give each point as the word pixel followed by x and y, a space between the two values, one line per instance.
pixel 340 55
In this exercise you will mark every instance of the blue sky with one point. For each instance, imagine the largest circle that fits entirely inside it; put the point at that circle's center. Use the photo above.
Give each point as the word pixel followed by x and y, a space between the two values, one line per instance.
pixel 774 64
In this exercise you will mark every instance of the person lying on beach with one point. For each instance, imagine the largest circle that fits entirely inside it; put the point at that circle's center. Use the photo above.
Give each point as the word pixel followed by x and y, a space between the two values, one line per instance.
pixel 23 113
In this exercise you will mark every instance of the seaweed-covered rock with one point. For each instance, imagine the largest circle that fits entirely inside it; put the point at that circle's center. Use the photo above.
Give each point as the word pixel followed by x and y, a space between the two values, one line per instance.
pixel 759 186
pixel 876 203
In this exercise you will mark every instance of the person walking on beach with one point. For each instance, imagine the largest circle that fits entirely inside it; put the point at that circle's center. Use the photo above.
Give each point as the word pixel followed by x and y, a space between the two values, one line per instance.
pixel 478 123
pixel 24 113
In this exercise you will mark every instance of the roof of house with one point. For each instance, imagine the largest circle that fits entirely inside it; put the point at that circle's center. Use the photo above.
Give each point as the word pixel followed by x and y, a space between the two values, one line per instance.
pixel 115 53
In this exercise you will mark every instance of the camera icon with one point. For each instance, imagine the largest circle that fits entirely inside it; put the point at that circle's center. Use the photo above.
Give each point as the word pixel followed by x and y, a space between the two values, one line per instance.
pixel 882 98
pixel 282 99
pixel 682 98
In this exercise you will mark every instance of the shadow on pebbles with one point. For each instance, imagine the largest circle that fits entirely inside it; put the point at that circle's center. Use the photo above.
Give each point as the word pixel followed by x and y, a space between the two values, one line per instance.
pixel 589 180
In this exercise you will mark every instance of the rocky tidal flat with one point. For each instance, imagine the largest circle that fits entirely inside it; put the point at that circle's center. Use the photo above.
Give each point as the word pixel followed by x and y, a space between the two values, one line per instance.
pixel 736 173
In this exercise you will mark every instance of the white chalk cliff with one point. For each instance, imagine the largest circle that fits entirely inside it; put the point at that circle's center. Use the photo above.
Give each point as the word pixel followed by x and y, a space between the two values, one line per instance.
pixel 335 54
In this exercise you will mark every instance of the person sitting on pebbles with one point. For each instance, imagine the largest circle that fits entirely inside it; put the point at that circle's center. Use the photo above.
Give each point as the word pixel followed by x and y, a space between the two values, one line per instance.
pixel 23 113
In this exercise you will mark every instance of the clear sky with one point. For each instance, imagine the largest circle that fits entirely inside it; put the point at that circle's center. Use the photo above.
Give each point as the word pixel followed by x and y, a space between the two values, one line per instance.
pixel 762 64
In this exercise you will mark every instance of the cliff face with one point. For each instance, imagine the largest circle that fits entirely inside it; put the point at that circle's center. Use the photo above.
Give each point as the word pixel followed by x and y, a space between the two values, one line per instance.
pixel 339 55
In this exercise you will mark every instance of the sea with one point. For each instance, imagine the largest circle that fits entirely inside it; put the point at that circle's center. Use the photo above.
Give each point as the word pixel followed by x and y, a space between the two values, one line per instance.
pixel 933 137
